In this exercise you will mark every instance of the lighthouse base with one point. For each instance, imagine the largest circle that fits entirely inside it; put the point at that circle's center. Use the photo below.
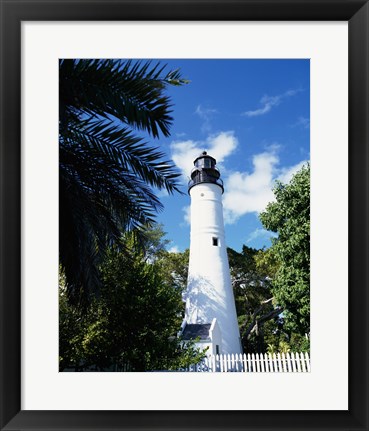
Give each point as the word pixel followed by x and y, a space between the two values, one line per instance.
pixel 207 336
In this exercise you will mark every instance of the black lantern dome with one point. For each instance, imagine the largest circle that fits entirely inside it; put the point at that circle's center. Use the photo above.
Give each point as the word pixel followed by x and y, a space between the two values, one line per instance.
pixel 205 171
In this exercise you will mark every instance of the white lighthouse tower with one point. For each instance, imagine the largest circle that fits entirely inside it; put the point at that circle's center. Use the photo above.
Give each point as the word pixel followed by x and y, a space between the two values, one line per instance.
pixel 210 307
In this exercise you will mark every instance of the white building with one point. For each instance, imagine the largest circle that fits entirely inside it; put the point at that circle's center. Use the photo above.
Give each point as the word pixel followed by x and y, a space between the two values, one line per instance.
pixel 210 306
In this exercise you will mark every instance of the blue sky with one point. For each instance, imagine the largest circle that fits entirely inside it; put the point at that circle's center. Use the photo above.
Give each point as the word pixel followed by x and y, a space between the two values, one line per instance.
pixel 253 116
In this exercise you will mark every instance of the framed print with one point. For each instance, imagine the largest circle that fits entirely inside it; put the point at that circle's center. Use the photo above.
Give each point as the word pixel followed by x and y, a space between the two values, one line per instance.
pixel 332 37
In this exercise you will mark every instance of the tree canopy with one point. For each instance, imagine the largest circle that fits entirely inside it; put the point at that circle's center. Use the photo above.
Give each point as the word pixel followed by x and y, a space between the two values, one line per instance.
pixel 289 216
pixel 251 282
pixel 272 286
pixel 106 171
pixel 133 324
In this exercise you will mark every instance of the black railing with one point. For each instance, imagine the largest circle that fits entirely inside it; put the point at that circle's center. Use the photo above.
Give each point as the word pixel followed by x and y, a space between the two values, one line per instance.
pixel 204 177
pixel 199 169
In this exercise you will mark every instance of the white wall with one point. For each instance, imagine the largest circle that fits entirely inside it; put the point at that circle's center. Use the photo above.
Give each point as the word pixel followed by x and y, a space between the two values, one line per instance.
pixel 209 293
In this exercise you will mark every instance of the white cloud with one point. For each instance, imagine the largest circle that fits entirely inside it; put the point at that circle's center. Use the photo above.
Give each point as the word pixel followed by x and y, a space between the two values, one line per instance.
pixel 302 122
pixel 260 233
pixel 251 192
pixel 245 192
pixel 174 249
pixel 206 115
pixel 183 155
pixel 218 146
pixel 286 174
pixel 187 215
pixel 268 102
pixel 222 145
pixel 204 112
pixel 273 148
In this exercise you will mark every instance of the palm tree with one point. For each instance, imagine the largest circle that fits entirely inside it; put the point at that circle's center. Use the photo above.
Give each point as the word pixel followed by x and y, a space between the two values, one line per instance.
pixel 106 172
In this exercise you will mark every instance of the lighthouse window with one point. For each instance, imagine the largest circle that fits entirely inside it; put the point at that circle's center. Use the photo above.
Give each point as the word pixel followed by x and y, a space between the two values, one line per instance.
pixel 207 163
pixel 215 241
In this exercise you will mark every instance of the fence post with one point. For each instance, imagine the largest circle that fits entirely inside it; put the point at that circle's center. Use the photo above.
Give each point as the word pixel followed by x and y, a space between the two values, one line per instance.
pixel 256 363
pixel 219 364
pixel 245 363
pixel 280 369
pixel 211 363
pixel 274 362
pixel 270 362
pixel 253 363
pixel 235 362
pixel 298 362
pixel 262 369
pixel 289 362
pixel 240 356
pixel 293 362
pixel 307 361
pixel 284 362
pixel 225 364
pixel 303 362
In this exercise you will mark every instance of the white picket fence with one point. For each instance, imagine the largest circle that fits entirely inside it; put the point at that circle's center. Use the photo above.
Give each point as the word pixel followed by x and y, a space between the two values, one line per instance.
pixel 253 363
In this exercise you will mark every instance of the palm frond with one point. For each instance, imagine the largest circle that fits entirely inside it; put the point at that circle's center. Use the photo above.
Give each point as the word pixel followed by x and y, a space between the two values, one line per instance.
pixel 131 92
pixel 106 172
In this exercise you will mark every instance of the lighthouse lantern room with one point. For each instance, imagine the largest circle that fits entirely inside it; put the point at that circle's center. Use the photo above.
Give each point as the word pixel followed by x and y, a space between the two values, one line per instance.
pixel 210 314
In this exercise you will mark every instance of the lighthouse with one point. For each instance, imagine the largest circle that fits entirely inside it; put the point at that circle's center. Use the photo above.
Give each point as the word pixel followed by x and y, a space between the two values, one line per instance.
pixel 210 315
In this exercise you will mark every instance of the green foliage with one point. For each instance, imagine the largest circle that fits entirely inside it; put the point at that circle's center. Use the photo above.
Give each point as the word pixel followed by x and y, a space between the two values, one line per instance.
pixel 274 334
pixel 295 343
pixel 260 317
pixel 106 172
pixel 83 339
pixel 266 263
pixel 282 347
pixel 289 216
pixel 250 286
pixel 71 329
pixel 185 354
pixel 153 242
pixel 143 311
pixel 251 274
pixel 135 320
pixel 299 343
pixel 174 267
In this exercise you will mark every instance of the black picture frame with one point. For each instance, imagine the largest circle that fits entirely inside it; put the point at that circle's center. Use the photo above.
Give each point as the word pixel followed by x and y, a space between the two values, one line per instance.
pixel 13 12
